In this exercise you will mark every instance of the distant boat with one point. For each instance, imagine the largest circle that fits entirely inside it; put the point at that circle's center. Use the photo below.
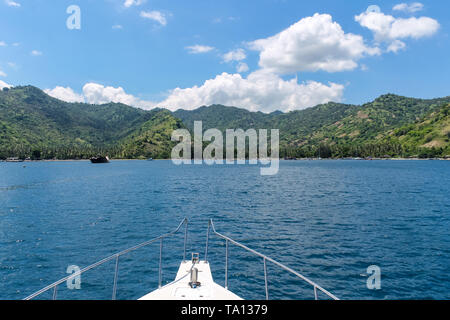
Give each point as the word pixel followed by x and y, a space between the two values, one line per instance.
pixel 100 159
pixel 14 159
pixel 150 159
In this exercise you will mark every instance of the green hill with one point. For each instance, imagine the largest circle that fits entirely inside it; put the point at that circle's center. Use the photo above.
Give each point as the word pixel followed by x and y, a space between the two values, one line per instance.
pixel 30 120
pixel 151 139
pixel 222 118
pixel 328 130
pixel 33 124
pixel 427 137
pixel 359 134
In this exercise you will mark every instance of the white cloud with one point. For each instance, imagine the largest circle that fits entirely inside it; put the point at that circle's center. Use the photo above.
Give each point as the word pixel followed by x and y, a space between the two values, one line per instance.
pixel 99 94
pixel 387 28
pixel 3 74
pixel 235 55
pixel 312 44
pixel 3 44
pixel 396 46
pixel 260 91
pixel 65 94
pixel 130 3
pixel 36 53
pixel 199 49
pixel 12 3
pixel 412 7
pixel 155 16
pixel 4 85
pixel 242 67
pixel 117 27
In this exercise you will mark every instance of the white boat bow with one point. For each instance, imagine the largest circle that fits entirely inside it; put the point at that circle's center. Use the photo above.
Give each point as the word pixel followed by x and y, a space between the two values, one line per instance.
pixel 182 287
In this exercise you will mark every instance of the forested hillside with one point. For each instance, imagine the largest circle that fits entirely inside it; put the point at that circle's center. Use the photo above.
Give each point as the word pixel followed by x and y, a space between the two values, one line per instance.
pixel 333 129
pixel 33 124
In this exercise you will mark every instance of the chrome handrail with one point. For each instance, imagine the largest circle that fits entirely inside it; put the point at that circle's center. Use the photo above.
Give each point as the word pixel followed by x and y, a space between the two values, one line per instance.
pixel 265 259
pixel 116 256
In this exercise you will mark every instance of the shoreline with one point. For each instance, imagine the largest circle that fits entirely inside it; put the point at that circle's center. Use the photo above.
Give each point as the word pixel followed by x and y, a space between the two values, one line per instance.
pixel 298 159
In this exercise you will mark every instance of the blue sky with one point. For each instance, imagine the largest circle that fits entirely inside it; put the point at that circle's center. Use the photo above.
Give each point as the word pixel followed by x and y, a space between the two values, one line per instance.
pixel 262 55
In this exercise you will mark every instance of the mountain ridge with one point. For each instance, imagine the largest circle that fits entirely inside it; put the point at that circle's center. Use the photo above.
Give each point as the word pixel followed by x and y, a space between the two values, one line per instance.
pixel 32 122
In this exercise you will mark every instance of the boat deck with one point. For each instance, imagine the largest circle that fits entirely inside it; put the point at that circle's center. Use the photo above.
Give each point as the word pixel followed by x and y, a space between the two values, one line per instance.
pixel 181 290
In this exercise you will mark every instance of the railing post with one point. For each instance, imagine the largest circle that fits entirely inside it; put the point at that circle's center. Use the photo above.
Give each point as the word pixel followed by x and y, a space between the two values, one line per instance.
pixel 226 264
pixel 315 293
pixel 266 284
pixel 55 292
pixel 116 273
pixel 160 263
pixel 207 240
pixel 185 239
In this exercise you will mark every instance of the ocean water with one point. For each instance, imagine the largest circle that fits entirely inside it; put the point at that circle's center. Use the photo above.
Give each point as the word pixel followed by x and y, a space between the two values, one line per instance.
pixel 329 220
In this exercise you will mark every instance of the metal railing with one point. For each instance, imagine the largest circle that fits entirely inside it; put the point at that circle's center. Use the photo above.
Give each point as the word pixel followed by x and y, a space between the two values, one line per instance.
pixel 116 256
pixel 265 259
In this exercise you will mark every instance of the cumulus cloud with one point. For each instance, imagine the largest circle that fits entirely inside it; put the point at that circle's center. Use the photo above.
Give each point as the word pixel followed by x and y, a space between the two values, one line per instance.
pixel 2 44
pixel 4 85
pixel 235 55
pixel 312 44
pixel 260 91
pixel 3 74
pixel 155 16
pixel 242 67
pixel 130 3
pixel 65 94
pixel 12 3
pixel 412 7
pixel 196 49
pixel 99 94
pixel 392 31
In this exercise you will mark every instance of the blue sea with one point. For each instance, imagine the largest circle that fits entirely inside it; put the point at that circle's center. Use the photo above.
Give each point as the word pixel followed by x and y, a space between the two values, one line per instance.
pixel 329 220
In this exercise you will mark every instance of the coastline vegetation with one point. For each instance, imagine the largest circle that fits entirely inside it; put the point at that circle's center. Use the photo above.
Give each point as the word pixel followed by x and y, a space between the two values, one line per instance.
pixel 36 126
